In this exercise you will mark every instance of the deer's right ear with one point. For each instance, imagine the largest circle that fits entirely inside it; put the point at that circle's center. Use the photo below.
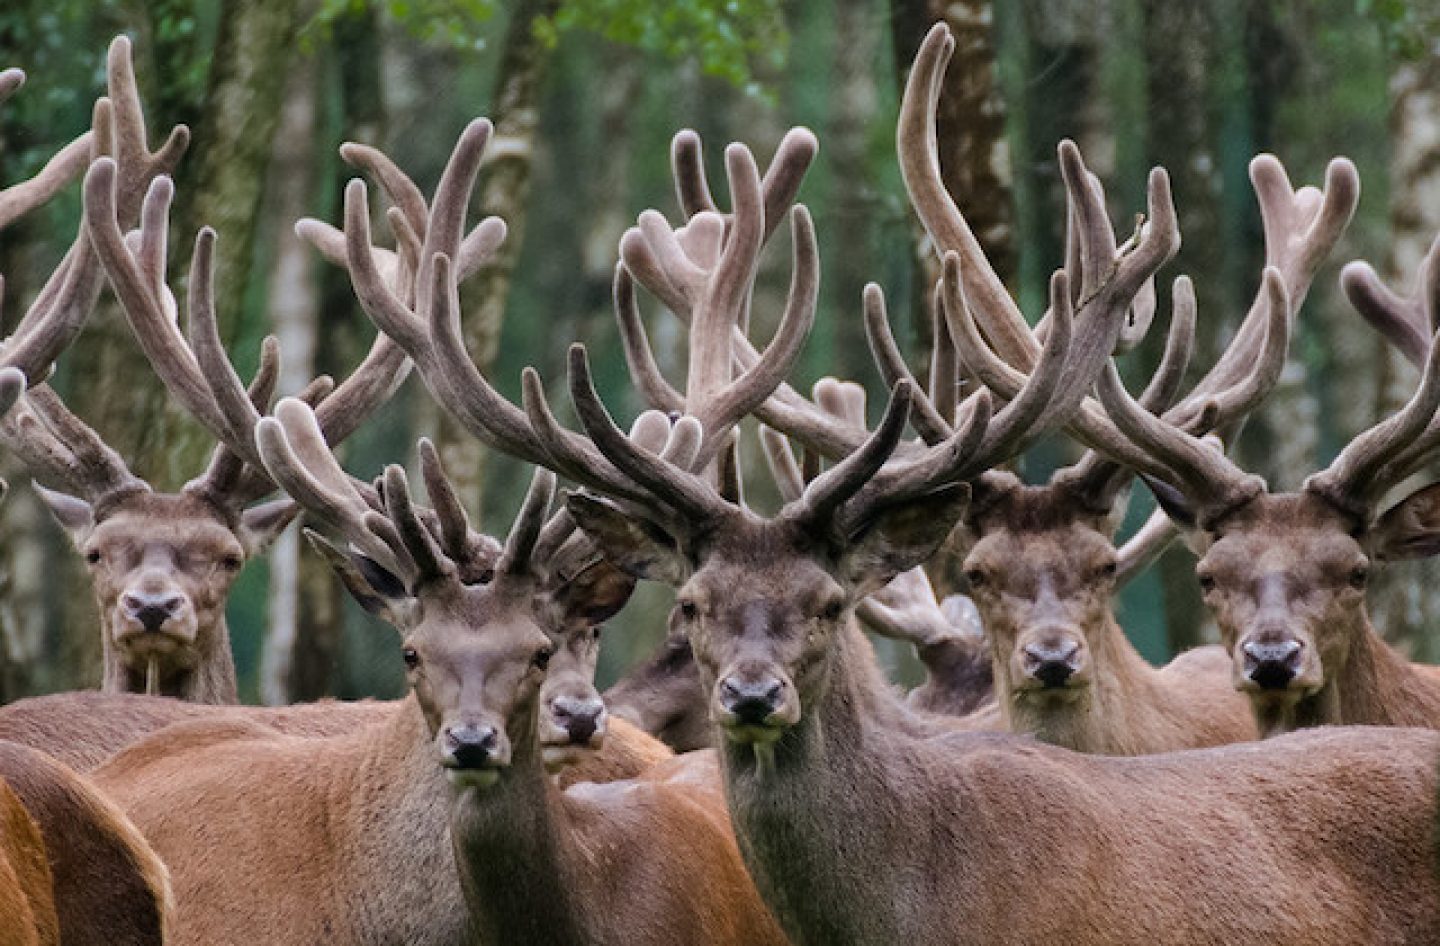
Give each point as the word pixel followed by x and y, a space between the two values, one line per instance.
pixel 374 587
pixel 633 544
pixel 75 515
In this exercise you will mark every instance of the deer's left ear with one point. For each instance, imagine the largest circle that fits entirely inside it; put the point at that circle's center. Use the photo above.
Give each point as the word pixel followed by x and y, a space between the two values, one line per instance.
pixel 1408 529
pixel 261 525
pixel 897 537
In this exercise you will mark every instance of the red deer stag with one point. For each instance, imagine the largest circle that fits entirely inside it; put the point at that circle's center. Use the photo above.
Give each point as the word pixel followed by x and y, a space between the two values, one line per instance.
pixel 1041 564
pixel 439 824
pixel 1285 574
pixel 836 789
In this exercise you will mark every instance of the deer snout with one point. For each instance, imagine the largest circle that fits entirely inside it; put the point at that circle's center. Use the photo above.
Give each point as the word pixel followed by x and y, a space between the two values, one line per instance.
pixel 1052 660
pixel 473 753
pixel 151 609
pixel 1272 665
pixel 755 704
pixel 582 719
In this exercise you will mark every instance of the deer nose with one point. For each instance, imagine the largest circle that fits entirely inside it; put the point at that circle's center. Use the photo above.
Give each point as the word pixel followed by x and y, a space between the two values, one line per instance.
pixel 751 701
pixel 1052 662
pixel 1272 664
pixel 471 747
pixel 580 718
pixel 151 610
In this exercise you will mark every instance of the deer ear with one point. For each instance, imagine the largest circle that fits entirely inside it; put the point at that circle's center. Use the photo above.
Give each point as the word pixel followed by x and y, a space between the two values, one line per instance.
pixel 374 587
pixel 897 537
pixel 633 544
pixel 1176 506
pixel 75 515
pixel 1410 528
pixel 595 594
pixel 261 525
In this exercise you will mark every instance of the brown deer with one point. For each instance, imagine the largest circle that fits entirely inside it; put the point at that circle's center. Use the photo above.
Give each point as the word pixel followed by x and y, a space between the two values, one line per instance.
pixel 1041 561
pixel 86 729
pixel 864 823
pixel 106 883
pixel 27 895
pixel 1285 574
pixel 439 824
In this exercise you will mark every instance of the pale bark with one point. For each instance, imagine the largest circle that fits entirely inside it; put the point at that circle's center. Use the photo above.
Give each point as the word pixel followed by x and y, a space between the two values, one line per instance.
pixel 294 307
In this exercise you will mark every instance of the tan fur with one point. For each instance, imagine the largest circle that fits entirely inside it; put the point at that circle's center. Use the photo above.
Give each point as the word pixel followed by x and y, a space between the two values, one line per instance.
pixel 27 901
pixel 109 885
pixel 347 839
pixel 1041 564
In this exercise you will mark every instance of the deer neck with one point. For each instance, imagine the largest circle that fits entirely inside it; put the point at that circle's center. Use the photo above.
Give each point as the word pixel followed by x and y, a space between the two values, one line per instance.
pixel 513 850
pixel 1106 717
pixel 211 680
pixel 805 813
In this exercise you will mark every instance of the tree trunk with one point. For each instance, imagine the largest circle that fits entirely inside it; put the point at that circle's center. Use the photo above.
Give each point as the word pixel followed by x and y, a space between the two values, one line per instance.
pixel 294 308
pixel 1406 596
pixel 1178 51
pixel 504 192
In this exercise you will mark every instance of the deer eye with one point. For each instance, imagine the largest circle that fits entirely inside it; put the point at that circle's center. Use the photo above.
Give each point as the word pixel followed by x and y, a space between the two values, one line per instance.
pixel 1359 576
pixel 832 610
pixel 232 562
pixel 595 632
pixel 411 657
pixel 975 576
pixel 1108 569
pixel 1207 582
pixel 541 660
pixel 93 556
pixel 487 576
pixel 689 610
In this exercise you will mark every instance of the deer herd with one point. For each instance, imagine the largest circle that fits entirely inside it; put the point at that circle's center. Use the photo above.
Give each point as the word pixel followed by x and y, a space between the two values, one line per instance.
pixel 758 780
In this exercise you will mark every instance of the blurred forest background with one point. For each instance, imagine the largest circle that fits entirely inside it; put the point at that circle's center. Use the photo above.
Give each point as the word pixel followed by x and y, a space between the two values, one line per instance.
pixel 586 95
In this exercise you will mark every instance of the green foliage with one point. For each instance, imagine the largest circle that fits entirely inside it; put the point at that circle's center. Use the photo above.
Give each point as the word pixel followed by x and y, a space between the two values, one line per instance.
pixel 452 23
pixel 730 39
pixel 1409 28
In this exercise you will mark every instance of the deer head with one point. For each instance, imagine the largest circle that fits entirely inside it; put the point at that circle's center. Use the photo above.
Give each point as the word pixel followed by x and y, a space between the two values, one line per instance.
pixel 496 638
pixel 1285 574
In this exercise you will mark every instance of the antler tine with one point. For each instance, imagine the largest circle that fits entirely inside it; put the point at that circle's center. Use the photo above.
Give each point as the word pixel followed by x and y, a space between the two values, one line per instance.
pixel 1352 480
pixel 729 405
pixel 524 533
pixel 1406 322
pixel 781 462
pixel 680 490
pixel 1144 547
pixel 917 149
pixel 297 457
pixel 449 510
pixel 446 229
pixel 55 444
pixel 892 611
pixel 944 362
pixel 831 489
pixel 780 185
pixel 639 357
pixel 400 507
pixel 12 380
pixel 928 420
pixel 397 185
pixel 1301 228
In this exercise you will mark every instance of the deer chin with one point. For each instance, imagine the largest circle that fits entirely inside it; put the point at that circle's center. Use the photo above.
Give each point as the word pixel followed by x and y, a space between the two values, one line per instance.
pixel 558 758
pixel 472 778
pixel 750 735
pixel 1035 693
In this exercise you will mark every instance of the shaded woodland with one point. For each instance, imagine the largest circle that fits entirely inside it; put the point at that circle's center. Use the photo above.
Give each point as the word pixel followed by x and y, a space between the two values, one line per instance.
pixel 585 96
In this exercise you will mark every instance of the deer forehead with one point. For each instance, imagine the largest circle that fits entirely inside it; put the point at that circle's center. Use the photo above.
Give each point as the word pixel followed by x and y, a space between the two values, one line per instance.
pixel 1295 533
pixel 179 529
